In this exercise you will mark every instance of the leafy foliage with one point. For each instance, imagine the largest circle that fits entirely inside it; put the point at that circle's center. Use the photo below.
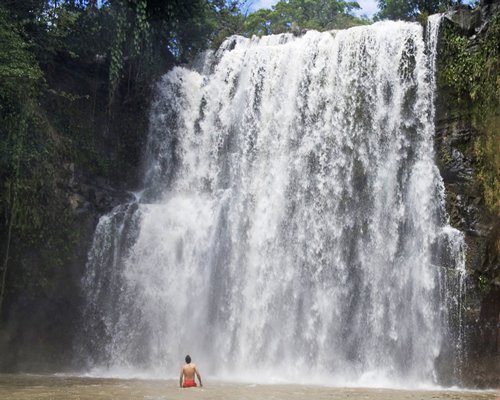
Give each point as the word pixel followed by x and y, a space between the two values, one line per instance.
pixel 26 162
pixel 75 76
pixel 295 15
pixel 471 73
pixel 410 9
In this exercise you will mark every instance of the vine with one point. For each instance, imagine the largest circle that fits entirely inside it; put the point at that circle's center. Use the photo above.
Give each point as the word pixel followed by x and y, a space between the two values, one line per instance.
pixel 132 26
pixel 116 64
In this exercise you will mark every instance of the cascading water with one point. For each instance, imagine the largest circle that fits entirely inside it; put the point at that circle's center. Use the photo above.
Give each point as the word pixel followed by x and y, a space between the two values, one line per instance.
pixel 292 225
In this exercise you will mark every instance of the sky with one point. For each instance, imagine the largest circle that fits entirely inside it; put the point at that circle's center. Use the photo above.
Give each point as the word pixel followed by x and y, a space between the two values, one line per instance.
pixel 368 7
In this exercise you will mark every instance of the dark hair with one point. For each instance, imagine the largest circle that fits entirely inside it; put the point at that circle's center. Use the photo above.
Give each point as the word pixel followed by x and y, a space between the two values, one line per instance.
pixel 188 359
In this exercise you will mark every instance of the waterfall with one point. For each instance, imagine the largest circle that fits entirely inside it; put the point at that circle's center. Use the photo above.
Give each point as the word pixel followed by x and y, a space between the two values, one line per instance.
pixel 292 225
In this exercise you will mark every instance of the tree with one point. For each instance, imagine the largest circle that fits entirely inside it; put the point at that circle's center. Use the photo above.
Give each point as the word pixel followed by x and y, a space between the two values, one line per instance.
pixel 58 62
pixel 258 23
pixel 410 9
pixel 293 15
pixel 20 79
pixel 396 9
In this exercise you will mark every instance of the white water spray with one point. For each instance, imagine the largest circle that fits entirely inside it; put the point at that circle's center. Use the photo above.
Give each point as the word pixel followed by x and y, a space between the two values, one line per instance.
pixel 292 219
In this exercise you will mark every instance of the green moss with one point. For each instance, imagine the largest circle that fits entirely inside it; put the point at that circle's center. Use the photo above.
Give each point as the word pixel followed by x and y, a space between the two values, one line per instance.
pixel 487 152
pixel 484 284
pixel 469 71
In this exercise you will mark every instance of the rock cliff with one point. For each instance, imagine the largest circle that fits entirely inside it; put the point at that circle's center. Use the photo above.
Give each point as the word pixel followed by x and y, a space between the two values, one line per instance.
pixel 466 119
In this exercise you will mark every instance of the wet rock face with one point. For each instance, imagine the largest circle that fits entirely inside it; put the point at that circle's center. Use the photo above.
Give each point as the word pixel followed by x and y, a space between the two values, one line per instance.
pixel 466 209
pixel 456 165
pixel 489 8
pixel 454 144
pixel 467 20
pixel 472 21
pixel 464 198
pixel 89 194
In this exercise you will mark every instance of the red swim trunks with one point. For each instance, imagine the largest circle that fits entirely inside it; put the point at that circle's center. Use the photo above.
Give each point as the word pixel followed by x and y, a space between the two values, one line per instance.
pixel 189 383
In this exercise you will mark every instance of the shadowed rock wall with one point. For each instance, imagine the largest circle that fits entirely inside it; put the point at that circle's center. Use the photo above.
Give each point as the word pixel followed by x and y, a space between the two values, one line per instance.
pixel 460 130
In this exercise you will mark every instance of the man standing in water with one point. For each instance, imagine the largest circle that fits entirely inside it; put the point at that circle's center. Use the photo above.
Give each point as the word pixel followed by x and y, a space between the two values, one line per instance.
pixel 187 374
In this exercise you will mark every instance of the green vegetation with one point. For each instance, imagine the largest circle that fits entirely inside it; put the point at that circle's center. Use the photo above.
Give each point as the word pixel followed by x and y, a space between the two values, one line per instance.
pixel 470 74
pixel 75 84
pixel 411 10
pixel 20 147
pixel 76 80
pixel 295 15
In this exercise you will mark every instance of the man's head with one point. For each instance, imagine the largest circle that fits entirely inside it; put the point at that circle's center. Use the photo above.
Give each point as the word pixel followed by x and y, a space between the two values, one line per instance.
pixel 188 359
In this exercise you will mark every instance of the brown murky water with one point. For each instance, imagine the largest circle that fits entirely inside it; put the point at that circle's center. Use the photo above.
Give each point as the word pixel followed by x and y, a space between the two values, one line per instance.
pixel 30 387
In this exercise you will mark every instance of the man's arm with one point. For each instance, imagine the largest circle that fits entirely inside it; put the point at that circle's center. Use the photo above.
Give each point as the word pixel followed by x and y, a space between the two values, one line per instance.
pixel 198 375
pixel 180 378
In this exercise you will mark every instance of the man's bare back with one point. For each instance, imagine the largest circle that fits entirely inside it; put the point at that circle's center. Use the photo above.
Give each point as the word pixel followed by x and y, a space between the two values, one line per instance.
pixel 188 372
